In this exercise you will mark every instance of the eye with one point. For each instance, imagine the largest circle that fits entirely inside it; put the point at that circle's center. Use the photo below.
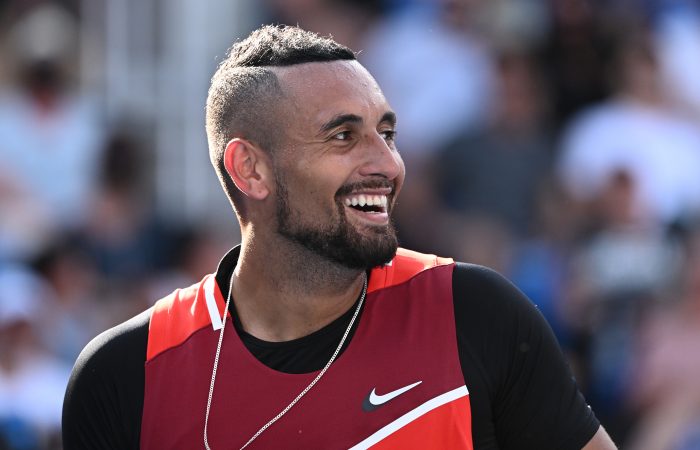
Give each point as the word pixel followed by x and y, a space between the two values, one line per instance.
pixel 388 135
pixel 342 136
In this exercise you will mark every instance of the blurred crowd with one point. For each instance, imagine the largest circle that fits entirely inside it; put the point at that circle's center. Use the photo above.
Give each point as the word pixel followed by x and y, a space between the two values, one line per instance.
pixel 557 141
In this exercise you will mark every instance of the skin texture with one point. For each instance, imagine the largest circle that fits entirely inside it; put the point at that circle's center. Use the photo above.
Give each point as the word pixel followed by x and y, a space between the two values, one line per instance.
pixel 355 144
pixel 337 136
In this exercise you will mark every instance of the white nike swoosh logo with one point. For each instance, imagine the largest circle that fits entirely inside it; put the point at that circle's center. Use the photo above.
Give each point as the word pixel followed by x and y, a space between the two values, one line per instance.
pixel 376 400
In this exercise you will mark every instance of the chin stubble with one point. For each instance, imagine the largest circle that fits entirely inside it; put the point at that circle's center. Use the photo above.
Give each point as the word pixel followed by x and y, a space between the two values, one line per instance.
pixel 338 242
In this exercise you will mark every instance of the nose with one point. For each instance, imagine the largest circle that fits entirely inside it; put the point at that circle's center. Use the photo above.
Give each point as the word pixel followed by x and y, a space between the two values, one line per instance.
pixel 382 159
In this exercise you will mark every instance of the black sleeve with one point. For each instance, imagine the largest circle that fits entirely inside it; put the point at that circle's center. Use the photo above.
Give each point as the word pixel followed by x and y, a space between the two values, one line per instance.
pixel 522 392
pixel 104 400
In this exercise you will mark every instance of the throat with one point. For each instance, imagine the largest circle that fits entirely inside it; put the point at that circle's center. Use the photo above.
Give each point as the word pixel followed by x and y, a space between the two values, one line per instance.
pixel 291 295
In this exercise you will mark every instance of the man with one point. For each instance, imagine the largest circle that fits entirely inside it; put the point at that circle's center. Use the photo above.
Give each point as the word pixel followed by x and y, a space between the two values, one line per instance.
pixel 332 338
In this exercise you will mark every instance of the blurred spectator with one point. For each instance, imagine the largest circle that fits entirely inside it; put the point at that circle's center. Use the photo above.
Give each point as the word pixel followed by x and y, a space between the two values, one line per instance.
pixel 493 179
pixel 677 40
pixel 638 133
pixel 32 380
pixel 665 384
pixel 345 20
pixel 25 226
pixel 625 255
pixel 72 310
pixel 574 55
pixel 541 263
pixel 618 272
pixel 122 234
pixel 50 134
pixel 516 146
pixel 507 25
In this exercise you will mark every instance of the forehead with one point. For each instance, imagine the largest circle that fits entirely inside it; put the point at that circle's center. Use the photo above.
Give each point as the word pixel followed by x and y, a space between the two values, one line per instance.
pixel 321 90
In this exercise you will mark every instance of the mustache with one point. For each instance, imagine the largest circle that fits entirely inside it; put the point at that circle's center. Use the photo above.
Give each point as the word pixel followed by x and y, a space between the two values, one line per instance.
pixel 379 183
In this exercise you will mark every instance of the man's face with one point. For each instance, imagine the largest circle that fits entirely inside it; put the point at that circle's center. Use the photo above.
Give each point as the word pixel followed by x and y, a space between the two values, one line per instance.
pixel 339 172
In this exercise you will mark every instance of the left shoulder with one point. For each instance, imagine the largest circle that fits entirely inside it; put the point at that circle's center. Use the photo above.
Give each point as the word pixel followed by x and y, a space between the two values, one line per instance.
pixel 485 293
pixel 405 265
pixel 516 370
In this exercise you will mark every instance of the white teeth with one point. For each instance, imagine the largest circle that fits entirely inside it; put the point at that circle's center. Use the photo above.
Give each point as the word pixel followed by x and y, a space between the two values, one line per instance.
pixel 367 200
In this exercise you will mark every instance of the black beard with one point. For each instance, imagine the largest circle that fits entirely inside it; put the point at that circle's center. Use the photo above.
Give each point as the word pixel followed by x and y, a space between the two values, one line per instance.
pixel 339 243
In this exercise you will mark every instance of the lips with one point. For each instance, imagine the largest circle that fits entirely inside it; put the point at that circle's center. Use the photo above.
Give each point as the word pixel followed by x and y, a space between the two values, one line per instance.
pixel 369 200
pixel 370 208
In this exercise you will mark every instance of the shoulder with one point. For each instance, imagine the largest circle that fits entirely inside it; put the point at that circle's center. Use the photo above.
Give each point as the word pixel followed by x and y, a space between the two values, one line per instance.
pixel 497 326
pixel 104 396
pixel 474 276
pixel 493 317
pixel 481 291
pixel 516 372
pixel 405 265
pixel 124 339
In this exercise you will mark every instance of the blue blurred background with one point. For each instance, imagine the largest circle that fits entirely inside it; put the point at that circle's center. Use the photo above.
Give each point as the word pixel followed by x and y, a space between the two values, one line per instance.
pixel 557 141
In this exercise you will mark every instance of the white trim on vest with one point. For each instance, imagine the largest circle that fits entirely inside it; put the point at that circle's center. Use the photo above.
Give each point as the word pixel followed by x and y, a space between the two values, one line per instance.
pixel 210 299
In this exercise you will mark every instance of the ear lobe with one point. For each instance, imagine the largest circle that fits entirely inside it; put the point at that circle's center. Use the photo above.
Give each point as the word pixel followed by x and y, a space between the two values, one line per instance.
pixel 245 164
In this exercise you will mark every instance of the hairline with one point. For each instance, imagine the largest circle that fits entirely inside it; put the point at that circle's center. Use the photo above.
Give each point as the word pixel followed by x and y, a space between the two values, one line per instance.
pixel 248 92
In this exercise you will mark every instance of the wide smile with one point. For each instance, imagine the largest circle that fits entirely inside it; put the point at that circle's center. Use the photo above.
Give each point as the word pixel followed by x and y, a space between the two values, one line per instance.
pixel 368 206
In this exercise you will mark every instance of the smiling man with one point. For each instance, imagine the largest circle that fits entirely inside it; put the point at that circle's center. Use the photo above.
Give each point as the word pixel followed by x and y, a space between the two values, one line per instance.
pixel 317 331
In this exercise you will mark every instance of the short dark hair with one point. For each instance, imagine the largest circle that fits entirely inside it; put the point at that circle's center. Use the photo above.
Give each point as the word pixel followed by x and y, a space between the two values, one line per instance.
pixel 244 91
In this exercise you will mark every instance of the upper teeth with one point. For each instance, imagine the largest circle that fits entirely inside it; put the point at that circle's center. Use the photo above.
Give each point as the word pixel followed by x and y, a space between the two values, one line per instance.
pixel 366 200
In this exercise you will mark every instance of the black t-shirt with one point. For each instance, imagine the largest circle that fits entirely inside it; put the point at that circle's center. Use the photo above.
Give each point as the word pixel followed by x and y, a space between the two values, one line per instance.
pixel 521 391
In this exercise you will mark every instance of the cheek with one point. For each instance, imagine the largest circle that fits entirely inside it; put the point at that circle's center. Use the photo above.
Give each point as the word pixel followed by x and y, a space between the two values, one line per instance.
pixel 313 193
pixel 322 180
pixel 315 181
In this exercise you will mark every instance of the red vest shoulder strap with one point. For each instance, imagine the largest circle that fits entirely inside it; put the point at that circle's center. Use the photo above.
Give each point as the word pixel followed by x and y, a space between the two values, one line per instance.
pixel 405 265
pixel 177 316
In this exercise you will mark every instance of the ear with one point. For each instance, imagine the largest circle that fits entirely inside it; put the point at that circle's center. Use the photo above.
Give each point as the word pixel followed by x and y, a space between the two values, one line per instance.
pixel 247 165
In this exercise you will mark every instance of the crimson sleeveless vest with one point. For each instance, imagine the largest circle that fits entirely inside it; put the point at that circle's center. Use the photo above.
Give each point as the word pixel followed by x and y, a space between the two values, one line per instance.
pixel 402 361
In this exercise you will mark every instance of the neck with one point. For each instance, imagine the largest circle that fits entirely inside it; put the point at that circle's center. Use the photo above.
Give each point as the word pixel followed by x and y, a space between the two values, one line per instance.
pixel 291 294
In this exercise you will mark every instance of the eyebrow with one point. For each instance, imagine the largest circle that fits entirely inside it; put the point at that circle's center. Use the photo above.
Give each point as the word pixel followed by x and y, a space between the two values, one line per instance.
pixel 341 119
pixel 389 117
